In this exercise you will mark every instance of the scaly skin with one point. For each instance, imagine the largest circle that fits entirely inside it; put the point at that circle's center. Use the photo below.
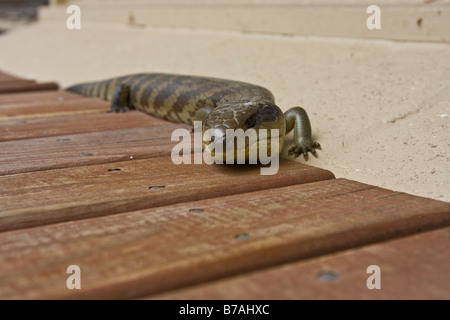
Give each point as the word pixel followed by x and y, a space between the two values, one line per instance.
pixel 220 104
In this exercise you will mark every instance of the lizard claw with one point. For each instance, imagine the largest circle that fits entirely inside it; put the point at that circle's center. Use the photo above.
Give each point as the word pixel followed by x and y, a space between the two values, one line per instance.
pixel 303 147
pixel 118 109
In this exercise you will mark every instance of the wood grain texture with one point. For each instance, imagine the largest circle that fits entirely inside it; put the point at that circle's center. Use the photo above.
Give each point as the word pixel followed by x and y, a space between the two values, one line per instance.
pixel 65 125
pixel 415 267
pixel 38 97
pixel 151 251
pixel 52 109
pixel 26 85
pixel 44 197
pixel 86 149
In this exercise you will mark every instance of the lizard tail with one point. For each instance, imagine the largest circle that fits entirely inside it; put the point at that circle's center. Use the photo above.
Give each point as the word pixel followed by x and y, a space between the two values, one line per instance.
pixel 101 89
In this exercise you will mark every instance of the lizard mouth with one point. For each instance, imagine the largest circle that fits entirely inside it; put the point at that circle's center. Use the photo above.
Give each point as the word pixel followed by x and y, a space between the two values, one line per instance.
pixel 242 147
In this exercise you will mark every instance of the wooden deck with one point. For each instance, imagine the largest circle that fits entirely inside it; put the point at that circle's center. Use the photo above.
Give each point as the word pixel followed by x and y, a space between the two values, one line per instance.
pixel 80 186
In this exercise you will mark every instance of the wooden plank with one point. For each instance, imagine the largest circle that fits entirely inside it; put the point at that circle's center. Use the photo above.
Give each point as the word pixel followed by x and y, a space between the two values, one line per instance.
pixel 37 97
pixel 52 109
pixel 64 125
pixel 26 85
pixel 412 268
pixel 7 77
pixel 86 149
pixel 74 193
pixel 17 82
pixel 151 251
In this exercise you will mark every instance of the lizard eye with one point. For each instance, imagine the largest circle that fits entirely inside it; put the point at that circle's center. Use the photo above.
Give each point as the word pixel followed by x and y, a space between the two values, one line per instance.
pixel 251 122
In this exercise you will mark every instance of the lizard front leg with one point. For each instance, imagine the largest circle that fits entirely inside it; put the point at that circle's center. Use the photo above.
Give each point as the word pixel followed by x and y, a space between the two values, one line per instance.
pixel 297 119
pixel 120 101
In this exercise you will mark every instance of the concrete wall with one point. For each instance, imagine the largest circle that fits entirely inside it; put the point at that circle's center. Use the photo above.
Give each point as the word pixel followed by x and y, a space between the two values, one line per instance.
pixel 413 20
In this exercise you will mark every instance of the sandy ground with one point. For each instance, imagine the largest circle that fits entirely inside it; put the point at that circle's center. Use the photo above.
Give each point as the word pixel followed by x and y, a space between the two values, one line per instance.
pixel 380 109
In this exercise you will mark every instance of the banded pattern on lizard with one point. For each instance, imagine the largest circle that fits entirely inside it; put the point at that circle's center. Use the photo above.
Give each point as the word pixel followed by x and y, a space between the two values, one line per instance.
pixel 220 104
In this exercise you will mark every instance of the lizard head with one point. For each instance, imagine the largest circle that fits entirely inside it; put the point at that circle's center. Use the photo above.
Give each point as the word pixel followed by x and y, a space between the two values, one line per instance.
pixel 239 129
